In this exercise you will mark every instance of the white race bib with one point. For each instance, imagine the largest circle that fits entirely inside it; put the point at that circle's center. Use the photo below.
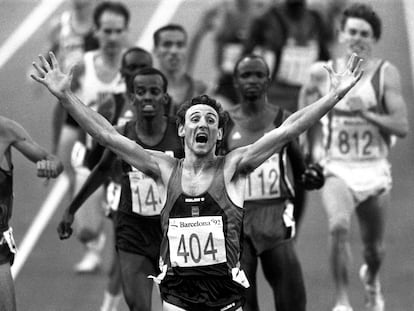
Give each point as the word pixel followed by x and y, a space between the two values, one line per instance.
pixel 264 181
pixel 231 53
pixel 354 139
pixel 295 62
pixel 78 154
pixel 113 196
pixel 146 199
pixel 127 116
pixel 196 241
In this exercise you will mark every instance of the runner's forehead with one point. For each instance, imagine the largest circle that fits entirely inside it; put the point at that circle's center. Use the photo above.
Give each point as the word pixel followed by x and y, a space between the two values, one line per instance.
pixel 201 109
pixel 172 35
pixel 249 64
pixel 148 80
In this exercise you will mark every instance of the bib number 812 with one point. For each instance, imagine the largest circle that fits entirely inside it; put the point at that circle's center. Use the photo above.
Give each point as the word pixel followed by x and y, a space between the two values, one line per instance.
pixel 359 142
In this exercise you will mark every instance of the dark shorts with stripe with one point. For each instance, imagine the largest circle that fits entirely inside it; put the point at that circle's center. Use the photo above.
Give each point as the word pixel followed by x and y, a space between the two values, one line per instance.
pixel 202 293
pixel 138 234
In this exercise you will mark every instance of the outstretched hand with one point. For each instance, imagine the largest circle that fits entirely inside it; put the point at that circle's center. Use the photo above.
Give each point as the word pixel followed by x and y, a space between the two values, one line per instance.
pixel 50 75
pixel 341 83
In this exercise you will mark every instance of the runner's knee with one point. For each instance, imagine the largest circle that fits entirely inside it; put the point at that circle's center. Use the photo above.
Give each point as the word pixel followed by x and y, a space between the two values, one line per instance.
pixel 86 235
pixel 374 253
pixel 339 229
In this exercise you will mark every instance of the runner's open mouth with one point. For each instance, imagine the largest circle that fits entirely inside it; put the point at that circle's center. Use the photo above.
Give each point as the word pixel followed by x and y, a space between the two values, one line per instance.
pixel 201 138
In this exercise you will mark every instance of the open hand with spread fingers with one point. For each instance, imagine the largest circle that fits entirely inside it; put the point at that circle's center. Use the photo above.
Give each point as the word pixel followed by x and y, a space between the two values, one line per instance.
pixel 50 75
pixel 341 83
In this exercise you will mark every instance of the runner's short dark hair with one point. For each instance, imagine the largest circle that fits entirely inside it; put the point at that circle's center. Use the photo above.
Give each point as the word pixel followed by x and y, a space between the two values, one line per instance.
pixel 365 12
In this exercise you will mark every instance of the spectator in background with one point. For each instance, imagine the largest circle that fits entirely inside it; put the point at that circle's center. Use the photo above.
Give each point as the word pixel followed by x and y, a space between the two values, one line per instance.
pixel 229 21
pixel 170 52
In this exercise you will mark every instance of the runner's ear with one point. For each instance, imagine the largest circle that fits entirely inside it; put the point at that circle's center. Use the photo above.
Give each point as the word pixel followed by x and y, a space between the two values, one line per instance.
pixel 220 134
pixel 181 131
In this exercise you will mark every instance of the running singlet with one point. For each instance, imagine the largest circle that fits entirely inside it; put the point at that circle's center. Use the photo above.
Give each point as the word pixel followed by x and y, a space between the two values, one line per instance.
pixel 201 234
pixel 349 137
pixel 139 195
pixel 72 45
pixel 92 86
pixel 7 243
pixel 6 199
pixel 273 178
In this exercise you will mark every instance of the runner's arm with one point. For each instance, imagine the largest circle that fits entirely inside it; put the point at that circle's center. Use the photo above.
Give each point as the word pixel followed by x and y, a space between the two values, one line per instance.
pixel 100 173
pixel 394 121
pixel 58 83
pixel 98 176
pixel 48 165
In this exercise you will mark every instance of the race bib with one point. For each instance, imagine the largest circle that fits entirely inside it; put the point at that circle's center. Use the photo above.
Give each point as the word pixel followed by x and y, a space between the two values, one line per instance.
pixel 264 181
pixel 113 196
pixel 196 241
pixel 231 53
pixel 146 199
pixel 354 139
pixel 126 117
pixel 78 154
pixel 295 62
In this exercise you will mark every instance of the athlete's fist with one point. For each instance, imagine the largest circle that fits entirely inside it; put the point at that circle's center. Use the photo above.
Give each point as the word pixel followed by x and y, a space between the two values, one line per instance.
pixel 64 228
pixel 312 177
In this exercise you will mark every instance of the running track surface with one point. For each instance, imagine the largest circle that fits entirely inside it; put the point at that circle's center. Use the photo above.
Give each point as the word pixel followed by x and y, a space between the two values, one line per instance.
pixel 47 282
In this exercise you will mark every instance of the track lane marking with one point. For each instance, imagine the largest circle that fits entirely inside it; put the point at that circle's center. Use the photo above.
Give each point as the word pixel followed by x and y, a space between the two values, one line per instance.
pixel 27 28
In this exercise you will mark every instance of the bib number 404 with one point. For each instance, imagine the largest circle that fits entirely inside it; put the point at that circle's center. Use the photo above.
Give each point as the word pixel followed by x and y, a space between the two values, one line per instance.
pixel 193 250
pixel 196 241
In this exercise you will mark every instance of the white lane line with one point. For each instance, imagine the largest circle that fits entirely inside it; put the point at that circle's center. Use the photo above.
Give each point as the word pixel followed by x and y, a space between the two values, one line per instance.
pixel 162 15
pixel 46 211
pixel 26 29
pixel 408 8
